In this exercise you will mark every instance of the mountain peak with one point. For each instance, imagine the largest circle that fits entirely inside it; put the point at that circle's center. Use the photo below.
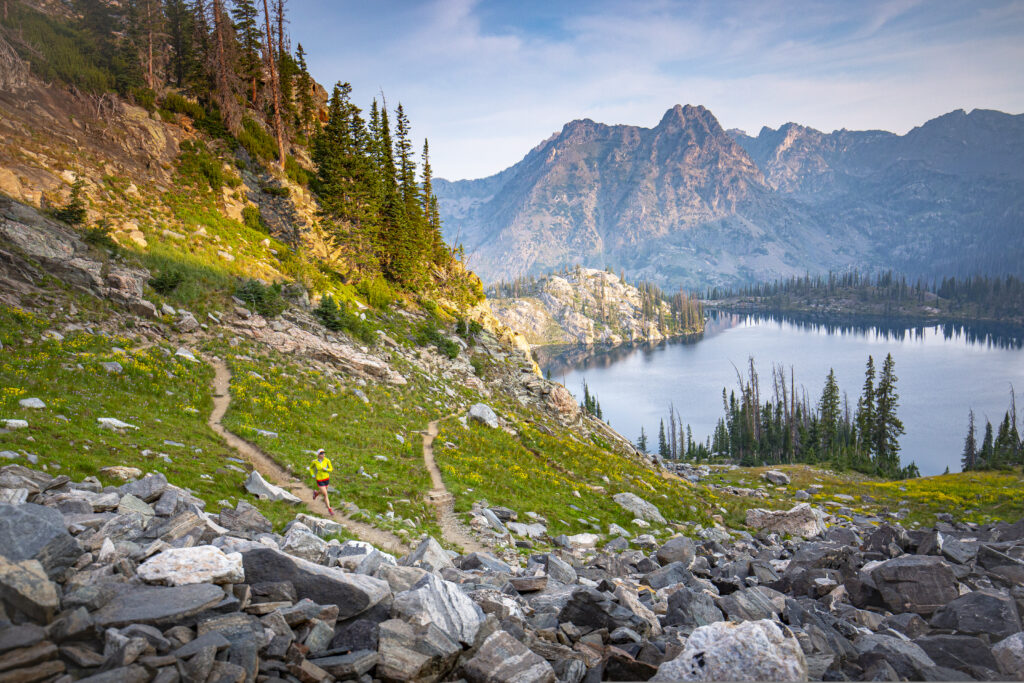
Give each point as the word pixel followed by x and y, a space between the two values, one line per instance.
pixel 688 115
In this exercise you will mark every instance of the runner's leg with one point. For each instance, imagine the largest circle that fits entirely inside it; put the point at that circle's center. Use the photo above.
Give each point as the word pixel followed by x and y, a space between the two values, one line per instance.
pixel 327 501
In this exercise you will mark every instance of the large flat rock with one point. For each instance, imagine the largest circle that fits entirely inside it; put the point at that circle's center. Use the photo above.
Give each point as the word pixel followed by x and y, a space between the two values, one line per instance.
pixel 158 606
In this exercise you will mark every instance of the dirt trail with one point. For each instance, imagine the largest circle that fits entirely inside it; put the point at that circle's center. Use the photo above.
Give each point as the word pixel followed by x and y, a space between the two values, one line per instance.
pixel 443 502
pixel 275 474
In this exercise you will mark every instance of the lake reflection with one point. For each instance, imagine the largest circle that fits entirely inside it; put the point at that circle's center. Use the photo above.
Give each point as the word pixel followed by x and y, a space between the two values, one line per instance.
pixel 944 370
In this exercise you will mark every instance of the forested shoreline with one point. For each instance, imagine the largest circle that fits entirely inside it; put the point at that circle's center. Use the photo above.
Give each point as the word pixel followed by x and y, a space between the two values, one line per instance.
pixel 885 295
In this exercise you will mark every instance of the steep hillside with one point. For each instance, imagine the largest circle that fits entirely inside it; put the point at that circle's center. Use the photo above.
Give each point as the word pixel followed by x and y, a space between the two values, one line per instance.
pixel 682 204
pixel 588 306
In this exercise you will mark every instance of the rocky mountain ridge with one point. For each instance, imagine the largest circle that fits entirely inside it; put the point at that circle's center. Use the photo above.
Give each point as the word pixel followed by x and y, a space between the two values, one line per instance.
pixel 687 203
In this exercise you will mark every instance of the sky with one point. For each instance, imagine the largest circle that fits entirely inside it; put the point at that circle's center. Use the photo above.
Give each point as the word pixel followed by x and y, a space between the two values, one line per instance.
pixel 486 81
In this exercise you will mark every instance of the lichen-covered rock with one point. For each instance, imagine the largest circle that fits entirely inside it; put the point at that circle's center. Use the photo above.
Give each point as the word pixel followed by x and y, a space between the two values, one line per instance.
pixel 200 564
pixel 442 603
pixel 801 520
pixel 751 651
pixel 503 659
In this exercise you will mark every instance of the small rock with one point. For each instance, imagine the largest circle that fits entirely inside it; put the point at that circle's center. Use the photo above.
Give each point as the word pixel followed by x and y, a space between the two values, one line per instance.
pixel 120 471
pixel 113 424
pixel 484 414
pixel 31 403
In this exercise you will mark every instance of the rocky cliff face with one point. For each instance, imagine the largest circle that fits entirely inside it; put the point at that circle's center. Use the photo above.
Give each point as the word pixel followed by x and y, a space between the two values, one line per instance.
pixel 687 203
pixel 583 306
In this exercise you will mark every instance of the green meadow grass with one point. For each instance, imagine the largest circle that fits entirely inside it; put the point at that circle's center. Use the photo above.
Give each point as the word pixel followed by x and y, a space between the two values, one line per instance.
pixel 166 397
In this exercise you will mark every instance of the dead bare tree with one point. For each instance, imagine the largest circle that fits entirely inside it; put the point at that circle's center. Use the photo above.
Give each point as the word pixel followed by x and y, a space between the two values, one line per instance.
pixel 275 84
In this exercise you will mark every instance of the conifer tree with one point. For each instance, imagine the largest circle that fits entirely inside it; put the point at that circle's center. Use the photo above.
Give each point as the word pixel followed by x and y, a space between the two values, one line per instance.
pixel 222 68
pixel 304 95
pixel 969 459
pixel 985 459
pixel 888 426
pixel 641 443
pixel 431 213
pixel 829 414
pixel 865 417
pixel 662 441
pixel 250 37
pixel 398 246
pixel 344 180
pixel 183 64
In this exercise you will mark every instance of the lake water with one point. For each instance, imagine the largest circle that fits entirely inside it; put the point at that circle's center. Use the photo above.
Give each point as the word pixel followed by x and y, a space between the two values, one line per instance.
pixel 943 371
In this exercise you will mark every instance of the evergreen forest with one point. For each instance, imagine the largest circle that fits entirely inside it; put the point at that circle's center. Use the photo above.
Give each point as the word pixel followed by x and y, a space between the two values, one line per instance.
pixel 780 424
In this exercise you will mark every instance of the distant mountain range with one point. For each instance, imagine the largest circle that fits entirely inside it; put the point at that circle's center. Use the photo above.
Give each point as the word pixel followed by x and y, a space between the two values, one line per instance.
pixel 687 203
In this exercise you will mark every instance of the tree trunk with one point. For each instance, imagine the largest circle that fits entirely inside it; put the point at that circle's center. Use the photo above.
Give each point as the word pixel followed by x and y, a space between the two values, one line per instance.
pixel 275 86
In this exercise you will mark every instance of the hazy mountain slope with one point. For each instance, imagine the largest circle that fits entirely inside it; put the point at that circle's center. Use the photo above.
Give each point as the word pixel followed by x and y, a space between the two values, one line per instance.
pixel 687 203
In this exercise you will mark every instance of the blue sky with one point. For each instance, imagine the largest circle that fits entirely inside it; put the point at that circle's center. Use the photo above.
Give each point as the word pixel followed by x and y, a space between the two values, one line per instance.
pixel 486 81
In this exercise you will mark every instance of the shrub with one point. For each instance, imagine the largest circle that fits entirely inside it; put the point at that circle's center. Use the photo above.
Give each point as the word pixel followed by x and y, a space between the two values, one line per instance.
pixel 252 218
pixel 340 318
pixel 145 98
pixel 430 307
pixel 265 300
pixel 198 166
pixel 73 213
pixel 274 191
pixel 173 102
pixel 167 281
pixel 297 173
pixel 99 235
pixel 257 142
pixel 377 292
pixel 479 364
pixel 429 334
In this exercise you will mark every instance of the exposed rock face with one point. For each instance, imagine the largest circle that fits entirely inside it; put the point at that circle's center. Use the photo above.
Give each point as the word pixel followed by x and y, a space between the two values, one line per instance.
pixel 583 306
pixel 802 520
pixel 751 651
pixel 686 203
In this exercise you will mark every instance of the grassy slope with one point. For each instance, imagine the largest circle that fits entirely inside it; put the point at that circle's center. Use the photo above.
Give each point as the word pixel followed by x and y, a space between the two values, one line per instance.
pixel 167 397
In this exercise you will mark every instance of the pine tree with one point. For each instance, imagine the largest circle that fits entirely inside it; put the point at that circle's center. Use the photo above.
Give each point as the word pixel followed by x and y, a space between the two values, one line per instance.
pixel 250 37
pixel 184 65
pixel 662 442
pixel 432 215
pixel 985 459
pixel 74 212
pixel 865 417
pixel 344 181
pixel 828 409
pixel 969 459
pixel 641 443
pixel 304 95
pixel 888 426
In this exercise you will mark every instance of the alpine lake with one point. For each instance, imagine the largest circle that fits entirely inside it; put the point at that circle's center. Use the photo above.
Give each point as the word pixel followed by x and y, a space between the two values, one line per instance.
pixel 944 370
